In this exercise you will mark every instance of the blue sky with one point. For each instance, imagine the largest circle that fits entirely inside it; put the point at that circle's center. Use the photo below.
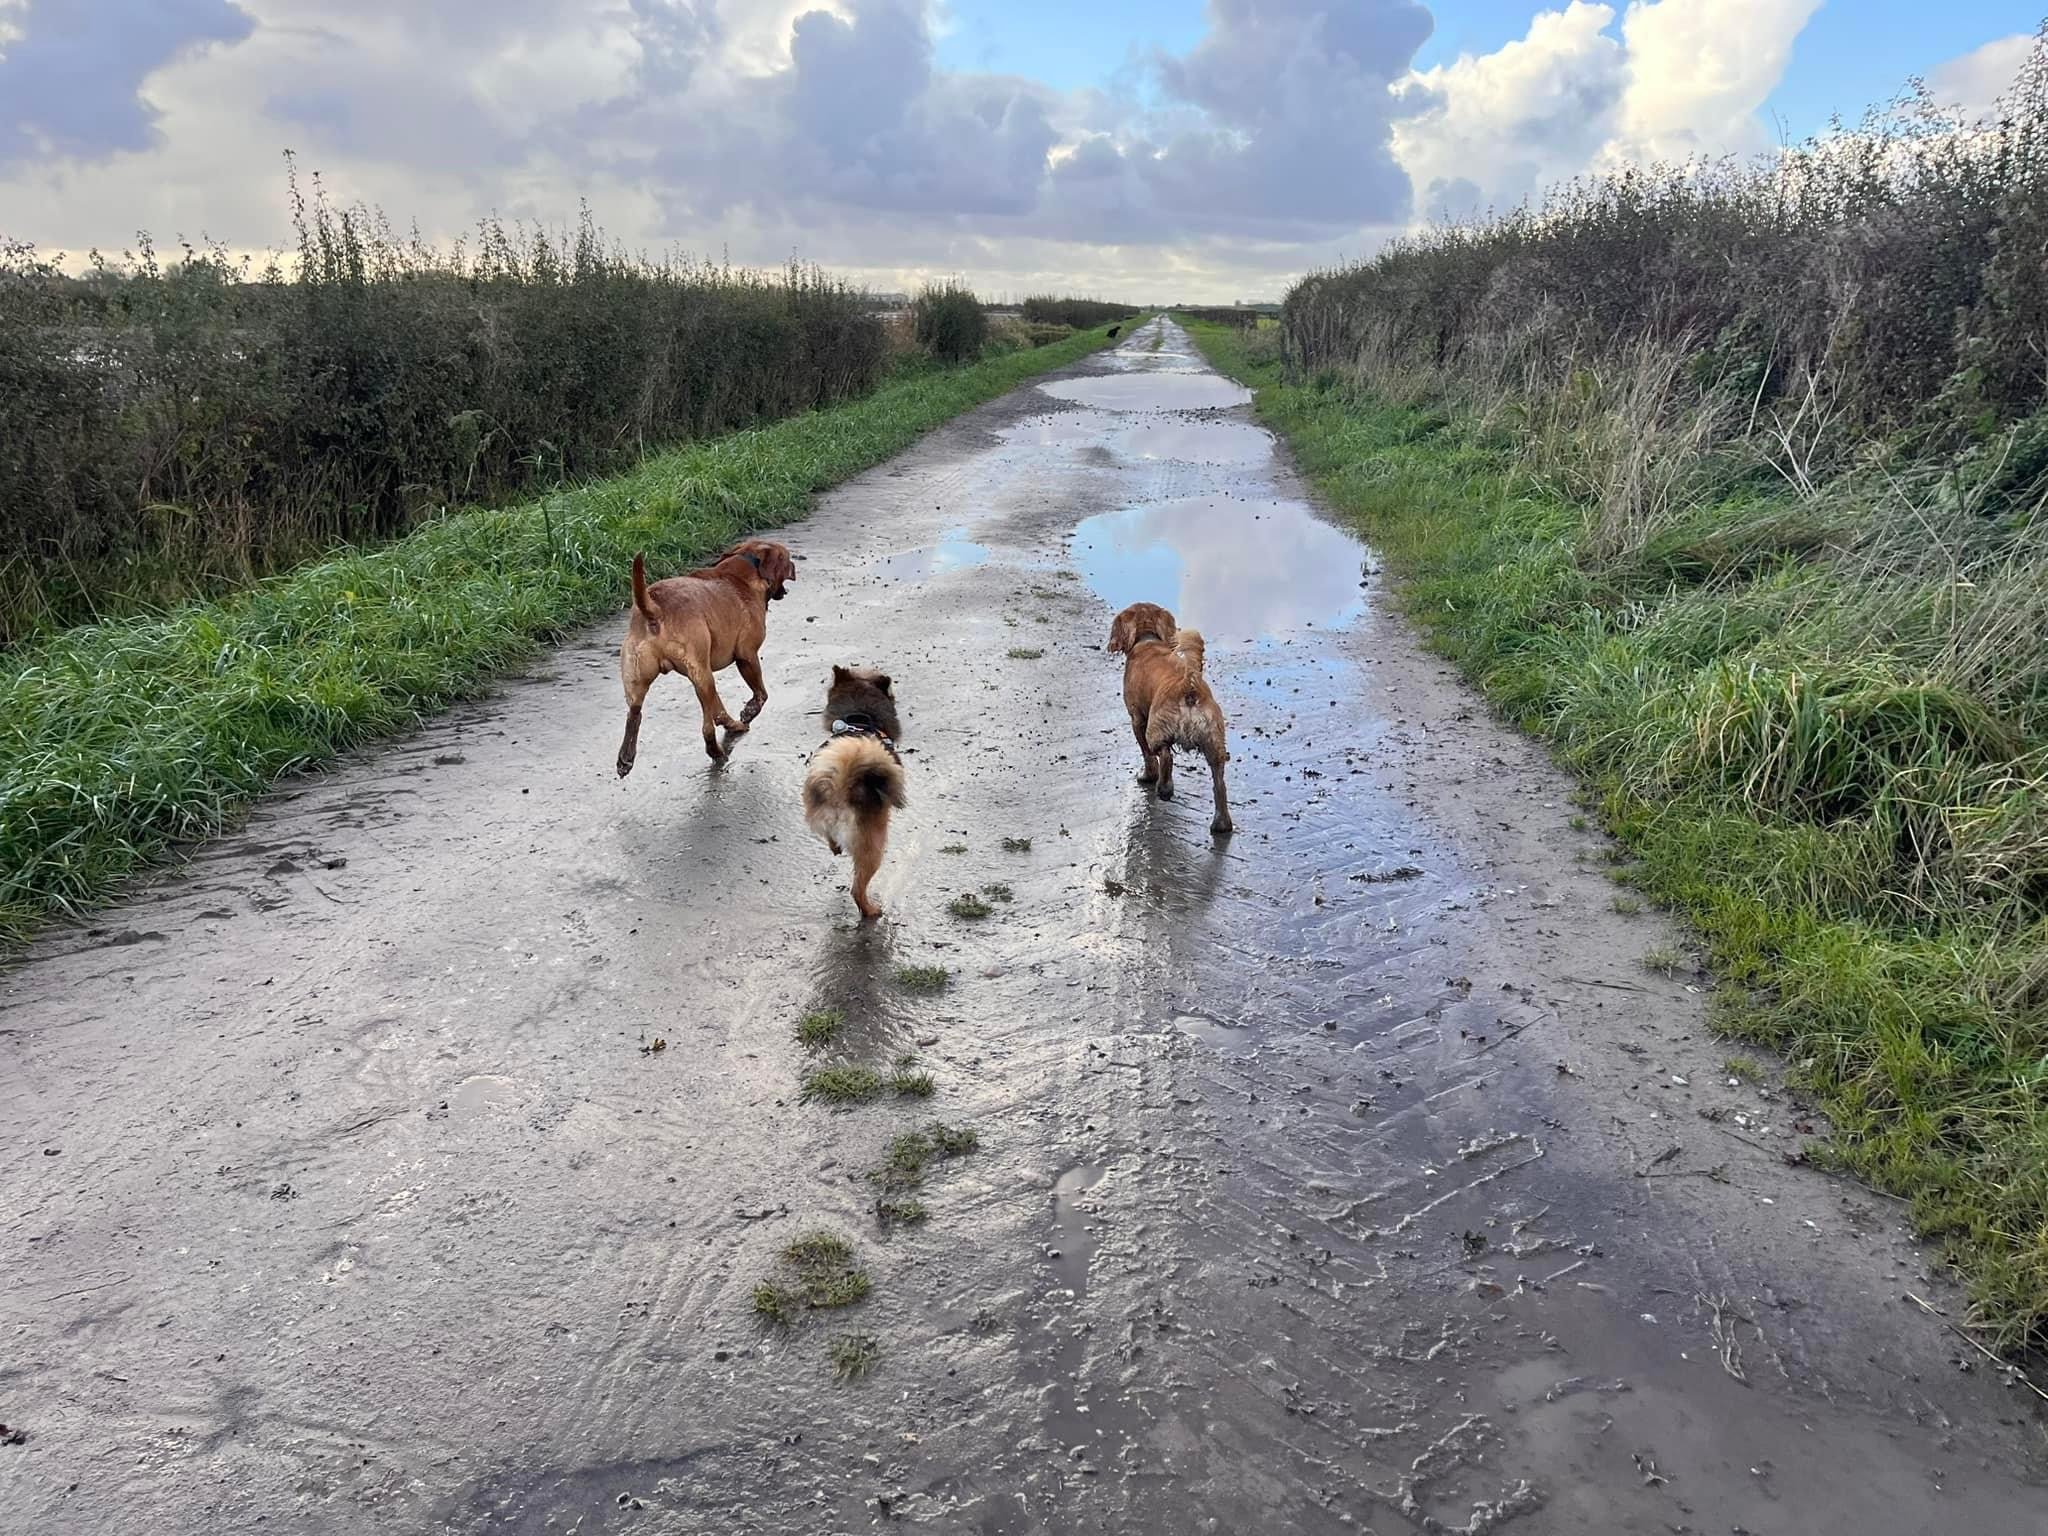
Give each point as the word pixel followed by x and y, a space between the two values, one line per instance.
pixel 1197 149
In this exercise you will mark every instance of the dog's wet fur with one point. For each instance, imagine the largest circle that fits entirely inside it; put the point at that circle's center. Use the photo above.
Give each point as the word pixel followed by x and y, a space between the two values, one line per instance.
pixel 854 781
pixel 699 624
pixel 1169 701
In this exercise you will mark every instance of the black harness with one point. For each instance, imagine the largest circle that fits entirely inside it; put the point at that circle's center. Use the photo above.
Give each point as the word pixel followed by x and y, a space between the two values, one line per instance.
pixel 861 723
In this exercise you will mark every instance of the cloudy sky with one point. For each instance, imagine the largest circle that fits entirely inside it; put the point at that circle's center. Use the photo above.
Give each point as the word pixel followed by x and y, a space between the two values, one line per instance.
pixel 1163 149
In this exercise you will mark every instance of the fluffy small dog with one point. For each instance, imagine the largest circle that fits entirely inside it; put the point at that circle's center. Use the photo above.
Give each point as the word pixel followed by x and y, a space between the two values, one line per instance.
pixel 1169 700
pixel 855 779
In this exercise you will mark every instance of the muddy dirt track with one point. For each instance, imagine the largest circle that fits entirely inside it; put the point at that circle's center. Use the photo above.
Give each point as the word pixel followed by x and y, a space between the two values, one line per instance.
pixel 1351 1174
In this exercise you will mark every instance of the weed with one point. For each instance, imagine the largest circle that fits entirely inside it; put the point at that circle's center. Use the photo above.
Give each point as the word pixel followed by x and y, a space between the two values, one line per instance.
pixel 1579 823
pixel 998 892
pixel 910 1084
pixel 841 1085
pixel 1628 906
pixel 1025 652
pixel 815 1031
pixel 954 848
pixel 818 1270
pixel 904 1166
pixel 777 1303
pixel 969 906
pixel 854 1355
pixel 923 978
pixel 1663 959
pixel 1016 845
pixel 1743 1069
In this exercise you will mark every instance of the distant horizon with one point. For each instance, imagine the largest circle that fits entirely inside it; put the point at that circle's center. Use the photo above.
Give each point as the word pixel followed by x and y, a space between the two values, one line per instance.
pixel 1213 151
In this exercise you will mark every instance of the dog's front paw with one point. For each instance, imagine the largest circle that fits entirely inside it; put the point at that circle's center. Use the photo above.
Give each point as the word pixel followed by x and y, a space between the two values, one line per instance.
pixel 1221 826
pixel 1166 789
pixel 625 765
pixel 713 750
pixel 751 711
pixel 737 727
pixel 1148 777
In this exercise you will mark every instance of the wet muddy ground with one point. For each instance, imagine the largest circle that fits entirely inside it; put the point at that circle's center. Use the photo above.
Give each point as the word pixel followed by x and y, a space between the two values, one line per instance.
pixel 1351 1174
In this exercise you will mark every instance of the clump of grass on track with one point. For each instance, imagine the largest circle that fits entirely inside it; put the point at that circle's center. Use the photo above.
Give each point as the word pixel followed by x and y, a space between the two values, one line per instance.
pixel 906 1163
pixel 1832 764
pixel 121 741
pixel 815 1272
pixel 923 978
pixel 818 1029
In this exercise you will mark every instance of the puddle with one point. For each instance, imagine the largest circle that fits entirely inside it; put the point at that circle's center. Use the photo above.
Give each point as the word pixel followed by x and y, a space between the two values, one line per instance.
pixel 1235 570
pixel 1194 442
pixel 954 552
pixel 478 1094
pixel 1060 429
pixel 1151 391
pixel 1211 1031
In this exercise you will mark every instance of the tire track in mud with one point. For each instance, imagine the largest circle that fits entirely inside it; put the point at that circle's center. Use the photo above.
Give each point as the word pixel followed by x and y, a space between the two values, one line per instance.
pixel 1348 1175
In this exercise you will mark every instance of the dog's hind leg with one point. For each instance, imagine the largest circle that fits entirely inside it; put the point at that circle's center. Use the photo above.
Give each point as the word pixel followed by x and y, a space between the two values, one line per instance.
pixel 1162 754
pixel 869 840
pixel 1149 771
pixel 1220 823
pixel 750 670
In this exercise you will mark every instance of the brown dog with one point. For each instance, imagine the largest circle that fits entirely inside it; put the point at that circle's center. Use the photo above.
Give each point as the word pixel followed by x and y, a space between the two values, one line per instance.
pixel 856 778
pixel 1169 700
pixel 697 624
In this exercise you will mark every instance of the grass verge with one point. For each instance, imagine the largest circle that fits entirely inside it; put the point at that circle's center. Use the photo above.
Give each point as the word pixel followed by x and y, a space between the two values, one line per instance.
pixel 122 741
pixel 1795 749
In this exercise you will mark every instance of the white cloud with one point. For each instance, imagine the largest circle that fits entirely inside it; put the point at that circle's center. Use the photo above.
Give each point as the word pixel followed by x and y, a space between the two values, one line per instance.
pixel 1975 81
pixel 1699 72
pixel 1589 87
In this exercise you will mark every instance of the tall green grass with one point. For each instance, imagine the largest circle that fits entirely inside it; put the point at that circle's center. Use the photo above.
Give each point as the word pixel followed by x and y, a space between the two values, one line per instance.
pixel 1820 722
pixel 119 741
pixel 173 427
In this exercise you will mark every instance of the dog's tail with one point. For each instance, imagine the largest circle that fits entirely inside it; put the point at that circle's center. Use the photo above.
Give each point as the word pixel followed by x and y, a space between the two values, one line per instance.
pixel 1188 646
pixel 647 609
pixel 856 772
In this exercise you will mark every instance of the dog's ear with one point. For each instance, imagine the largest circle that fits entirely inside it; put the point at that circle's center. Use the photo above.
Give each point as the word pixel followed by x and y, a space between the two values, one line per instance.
pixel 1119 633
pixel 882 682
pixel 1162 622
pixel 840 674
pixel 780 563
